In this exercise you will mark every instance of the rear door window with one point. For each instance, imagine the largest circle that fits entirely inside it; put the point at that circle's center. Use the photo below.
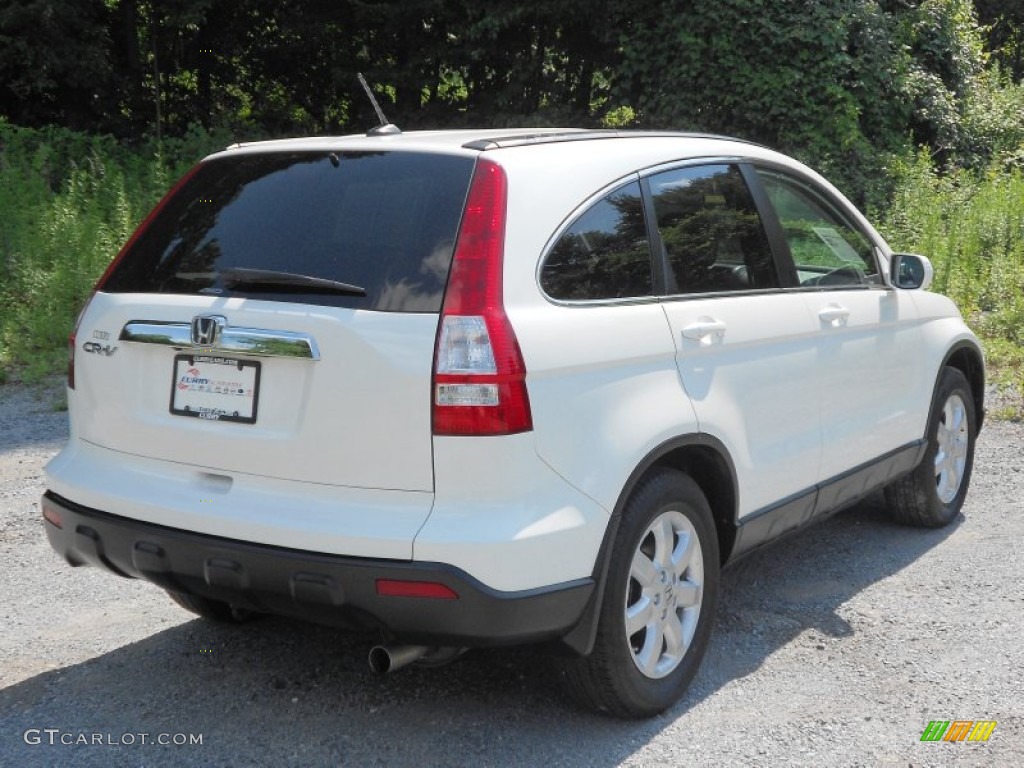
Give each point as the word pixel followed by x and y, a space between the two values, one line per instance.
pixel 710 230
pixel 384 223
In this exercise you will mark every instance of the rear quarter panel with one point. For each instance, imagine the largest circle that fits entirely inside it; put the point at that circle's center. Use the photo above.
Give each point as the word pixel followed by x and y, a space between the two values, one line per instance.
pixel 603 383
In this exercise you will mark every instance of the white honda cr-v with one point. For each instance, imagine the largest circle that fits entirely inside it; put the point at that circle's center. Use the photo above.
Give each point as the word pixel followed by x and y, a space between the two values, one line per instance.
pixel 495 387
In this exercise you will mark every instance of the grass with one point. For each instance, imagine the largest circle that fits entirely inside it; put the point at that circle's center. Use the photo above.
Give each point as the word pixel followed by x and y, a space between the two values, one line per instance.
pixel 70 200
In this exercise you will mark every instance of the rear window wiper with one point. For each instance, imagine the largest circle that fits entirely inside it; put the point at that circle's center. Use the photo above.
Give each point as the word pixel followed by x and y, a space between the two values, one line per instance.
pixel 272 280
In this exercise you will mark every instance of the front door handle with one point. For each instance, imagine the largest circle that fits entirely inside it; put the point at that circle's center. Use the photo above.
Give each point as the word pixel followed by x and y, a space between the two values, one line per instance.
pixel 706 330
pixel 834 315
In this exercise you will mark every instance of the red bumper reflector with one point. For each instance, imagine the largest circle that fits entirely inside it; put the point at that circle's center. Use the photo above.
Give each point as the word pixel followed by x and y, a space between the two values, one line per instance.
pixel 395 588
pixel 52 516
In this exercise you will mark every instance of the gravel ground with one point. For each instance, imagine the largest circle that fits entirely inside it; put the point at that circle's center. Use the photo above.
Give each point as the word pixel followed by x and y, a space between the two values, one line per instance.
pixel 834 647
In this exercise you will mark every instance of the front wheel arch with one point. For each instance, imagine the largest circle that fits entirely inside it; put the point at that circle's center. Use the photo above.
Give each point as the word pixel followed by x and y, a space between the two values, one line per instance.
pixel 932 494
pixel 967 359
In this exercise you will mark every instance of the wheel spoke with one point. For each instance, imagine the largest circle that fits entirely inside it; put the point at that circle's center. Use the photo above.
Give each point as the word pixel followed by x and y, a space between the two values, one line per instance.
pixel 683 553
pixel 675 642
pixel 639 616
pixel 643 570
pixel 664 540
pixel 949 481
pixel 956 423
pixel 687 594
pixel 650 654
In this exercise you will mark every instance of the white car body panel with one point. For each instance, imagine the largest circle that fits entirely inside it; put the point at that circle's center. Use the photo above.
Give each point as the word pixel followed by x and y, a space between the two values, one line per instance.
pixel 506 518
pixel 754 387
pixel 358 417
pixel 942 330
pixel 604 391
pixel 873 387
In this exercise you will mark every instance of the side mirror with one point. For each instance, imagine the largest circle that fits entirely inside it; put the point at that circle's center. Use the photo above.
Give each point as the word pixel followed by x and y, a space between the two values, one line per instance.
pixel 910 271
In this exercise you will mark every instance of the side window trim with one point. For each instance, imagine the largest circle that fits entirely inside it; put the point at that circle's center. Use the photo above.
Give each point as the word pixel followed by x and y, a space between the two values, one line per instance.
pixel 663 279
pixel 784 263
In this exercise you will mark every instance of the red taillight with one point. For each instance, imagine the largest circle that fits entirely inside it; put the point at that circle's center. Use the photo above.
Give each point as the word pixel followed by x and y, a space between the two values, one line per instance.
pixel 431 589
pixel 113 264
pixel 479 384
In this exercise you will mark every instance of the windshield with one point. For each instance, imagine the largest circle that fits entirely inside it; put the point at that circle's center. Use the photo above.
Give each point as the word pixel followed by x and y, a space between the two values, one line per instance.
pixel 384 222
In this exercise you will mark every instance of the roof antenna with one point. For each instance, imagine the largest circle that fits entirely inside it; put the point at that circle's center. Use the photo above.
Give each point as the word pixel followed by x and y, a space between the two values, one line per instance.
pixel 385 128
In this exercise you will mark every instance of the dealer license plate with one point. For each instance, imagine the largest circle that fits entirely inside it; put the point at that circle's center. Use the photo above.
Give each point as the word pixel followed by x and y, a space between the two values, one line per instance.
pixel 215 388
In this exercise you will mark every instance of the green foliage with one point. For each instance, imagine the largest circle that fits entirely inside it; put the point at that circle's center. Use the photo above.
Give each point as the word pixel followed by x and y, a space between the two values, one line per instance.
pixel 69 201
pixel 993 119
pixel 54 63
pixel 139 66
pixel 811 78
pixel 847 85
pixel 967 111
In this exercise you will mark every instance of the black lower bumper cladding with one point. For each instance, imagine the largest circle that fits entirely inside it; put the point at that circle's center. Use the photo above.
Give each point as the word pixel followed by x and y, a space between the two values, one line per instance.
pixel 324 588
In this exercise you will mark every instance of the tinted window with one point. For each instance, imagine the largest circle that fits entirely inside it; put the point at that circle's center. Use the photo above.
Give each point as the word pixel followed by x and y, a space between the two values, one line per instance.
pixel 826 248
pixel 605 254
pixel 711 231
pixel 383 221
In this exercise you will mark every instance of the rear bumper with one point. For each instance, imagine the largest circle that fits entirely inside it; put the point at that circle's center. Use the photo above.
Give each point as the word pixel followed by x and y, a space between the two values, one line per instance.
pixel 325 588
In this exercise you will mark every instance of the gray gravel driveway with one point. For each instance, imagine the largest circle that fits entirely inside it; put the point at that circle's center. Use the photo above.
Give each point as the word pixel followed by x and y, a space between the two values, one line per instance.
pixel 835 647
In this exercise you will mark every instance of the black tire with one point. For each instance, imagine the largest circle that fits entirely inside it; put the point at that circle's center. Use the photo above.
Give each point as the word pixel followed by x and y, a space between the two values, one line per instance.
pixel 610 679
pixel 215 610
pixel 931 496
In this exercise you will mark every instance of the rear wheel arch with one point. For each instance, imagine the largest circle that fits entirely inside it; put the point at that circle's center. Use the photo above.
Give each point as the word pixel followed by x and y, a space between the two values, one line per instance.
pixel 704 459
pixel 657 614
pixel 707 462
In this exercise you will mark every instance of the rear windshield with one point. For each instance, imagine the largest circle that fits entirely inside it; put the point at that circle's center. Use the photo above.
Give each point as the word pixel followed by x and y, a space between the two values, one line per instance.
pixel 381 222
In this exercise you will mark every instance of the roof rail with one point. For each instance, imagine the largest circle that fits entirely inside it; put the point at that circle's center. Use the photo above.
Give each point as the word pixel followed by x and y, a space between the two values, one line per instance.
pixel 559 135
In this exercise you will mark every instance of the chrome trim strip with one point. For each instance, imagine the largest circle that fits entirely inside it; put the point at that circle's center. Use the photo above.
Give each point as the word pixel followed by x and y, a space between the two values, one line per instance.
pixel 241 341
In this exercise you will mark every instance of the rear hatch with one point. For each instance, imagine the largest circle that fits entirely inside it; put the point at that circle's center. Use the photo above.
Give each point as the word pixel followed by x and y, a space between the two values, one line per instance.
pixel 277 316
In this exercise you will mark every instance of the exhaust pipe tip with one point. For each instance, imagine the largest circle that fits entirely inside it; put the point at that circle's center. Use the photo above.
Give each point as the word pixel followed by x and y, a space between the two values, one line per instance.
pixel 385 659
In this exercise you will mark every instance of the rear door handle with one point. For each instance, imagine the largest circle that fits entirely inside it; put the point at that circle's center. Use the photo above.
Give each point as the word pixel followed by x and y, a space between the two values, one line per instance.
pixel 706 330
pixel 834 315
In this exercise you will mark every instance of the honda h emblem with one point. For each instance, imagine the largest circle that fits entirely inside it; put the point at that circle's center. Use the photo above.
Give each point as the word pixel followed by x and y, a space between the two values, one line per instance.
pixel 207 329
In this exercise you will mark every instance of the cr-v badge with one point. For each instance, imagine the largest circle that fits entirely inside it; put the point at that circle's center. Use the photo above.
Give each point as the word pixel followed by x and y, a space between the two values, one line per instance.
pixel 98 349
